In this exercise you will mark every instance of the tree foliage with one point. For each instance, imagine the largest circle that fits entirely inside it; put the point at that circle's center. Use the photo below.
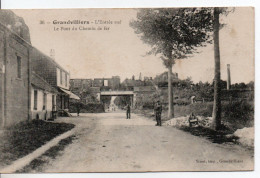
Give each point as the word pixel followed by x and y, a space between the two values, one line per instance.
pixel 174 33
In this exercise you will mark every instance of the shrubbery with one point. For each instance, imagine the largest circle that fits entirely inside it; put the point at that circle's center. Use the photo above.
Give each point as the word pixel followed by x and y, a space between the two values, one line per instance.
pixel 239 113
pixel 201 109
pixel 235 115
pixel 87 108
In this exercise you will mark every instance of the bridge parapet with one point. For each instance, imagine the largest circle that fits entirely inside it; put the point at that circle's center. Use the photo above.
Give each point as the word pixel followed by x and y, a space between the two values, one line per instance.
pixel 116 93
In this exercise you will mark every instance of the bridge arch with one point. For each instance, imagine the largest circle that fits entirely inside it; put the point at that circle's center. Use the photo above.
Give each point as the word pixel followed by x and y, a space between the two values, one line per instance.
pixel 120 93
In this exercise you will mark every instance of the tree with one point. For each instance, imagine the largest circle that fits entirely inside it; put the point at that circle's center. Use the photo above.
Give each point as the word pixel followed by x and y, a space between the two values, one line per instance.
pixel 174 34
pixel 216 115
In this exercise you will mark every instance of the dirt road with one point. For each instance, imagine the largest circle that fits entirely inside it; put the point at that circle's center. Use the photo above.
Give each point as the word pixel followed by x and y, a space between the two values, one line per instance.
pixel 108 142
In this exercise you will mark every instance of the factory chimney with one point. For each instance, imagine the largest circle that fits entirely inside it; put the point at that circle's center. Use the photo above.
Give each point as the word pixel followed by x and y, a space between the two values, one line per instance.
pixel 228 77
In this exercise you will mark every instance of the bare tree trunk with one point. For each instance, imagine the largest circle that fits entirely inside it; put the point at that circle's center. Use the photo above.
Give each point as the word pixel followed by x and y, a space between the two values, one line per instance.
pixel 170 94
pixel 217 90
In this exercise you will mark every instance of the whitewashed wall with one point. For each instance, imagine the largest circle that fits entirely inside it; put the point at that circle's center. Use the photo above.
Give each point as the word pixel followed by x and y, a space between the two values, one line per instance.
pixel 63 84
pixel 40 100
pixel 43 114
pixel 49 101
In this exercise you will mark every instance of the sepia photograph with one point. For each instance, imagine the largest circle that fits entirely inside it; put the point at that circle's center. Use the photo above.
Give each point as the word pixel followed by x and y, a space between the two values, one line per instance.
pixel 127 90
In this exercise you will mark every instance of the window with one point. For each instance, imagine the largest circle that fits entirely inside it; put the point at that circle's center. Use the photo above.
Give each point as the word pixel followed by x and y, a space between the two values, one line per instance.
pixel 35 100
pixel 61 77
pixel 53 103
pixel 105 82
pixel 66 82
pixel 44 101
pixel 19 71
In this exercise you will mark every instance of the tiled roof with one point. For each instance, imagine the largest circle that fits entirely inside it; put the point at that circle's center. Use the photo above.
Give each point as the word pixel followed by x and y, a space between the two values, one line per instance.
pixel 46 57
pixel 39 82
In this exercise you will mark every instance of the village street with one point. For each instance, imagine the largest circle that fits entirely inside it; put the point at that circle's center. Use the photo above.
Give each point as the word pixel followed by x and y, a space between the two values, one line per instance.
pixel 107 142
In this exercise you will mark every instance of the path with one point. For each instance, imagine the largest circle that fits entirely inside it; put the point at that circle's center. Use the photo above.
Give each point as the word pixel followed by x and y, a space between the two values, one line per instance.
pixel 108 142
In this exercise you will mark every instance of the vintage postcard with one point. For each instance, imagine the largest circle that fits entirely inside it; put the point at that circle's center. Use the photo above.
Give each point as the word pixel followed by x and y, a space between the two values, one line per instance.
pixel 127 90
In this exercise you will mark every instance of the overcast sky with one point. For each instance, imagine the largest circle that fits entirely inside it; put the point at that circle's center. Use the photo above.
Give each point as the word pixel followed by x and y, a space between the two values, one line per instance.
pixel 119 51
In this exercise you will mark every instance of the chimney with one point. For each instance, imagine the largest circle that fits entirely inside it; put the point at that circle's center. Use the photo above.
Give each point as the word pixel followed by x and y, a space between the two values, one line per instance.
pixel 140 76
pixel 52 54
pixel 228 77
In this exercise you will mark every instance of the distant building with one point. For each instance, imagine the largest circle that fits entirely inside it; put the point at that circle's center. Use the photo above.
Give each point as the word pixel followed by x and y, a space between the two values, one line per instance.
pixel 163 78
pixel 111 83
pixel 80 84
pixel 76 84
pixel 98 82
pixel 148 81
pixel 114 82
pixel 95 91
pixel 83 86
pixel 130 83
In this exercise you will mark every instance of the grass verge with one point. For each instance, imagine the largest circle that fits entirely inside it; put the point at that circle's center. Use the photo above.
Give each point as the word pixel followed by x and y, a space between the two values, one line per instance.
pixel 25 137
pixel 37 164
pixel 212 135
pixel 235 115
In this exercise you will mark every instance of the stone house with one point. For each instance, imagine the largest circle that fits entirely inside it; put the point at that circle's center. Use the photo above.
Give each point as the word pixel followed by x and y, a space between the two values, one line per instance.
pixel 15 82
pixel 49 70
pixel 43 98
pixel 23 94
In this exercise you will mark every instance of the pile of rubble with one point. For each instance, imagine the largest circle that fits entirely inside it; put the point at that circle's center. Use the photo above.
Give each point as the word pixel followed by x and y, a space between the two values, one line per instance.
pixel 245 136
pixel 205 121
pixel 184 121
pixel 178 122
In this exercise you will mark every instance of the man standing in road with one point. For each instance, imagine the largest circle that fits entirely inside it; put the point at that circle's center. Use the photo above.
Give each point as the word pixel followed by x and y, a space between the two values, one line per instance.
pixel 158 112
pixel 78 106
pixel 128 110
